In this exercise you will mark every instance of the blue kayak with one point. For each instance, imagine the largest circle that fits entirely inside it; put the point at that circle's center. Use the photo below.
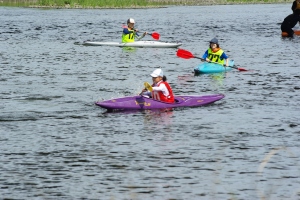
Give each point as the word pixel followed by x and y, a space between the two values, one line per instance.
pixel 207 68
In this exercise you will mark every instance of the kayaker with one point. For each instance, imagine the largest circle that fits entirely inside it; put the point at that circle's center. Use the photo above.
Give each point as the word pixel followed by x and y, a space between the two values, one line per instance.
pixel 129 32
pixel 162 91
pixel 215 53
pixel 288 23
pixel 296 6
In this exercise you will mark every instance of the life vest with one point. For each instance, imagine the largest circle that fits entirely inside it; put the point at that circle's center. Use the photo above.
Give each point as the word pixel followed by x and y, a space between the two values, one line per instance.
pixel 215 56
pixel 128 37
pixel 159 95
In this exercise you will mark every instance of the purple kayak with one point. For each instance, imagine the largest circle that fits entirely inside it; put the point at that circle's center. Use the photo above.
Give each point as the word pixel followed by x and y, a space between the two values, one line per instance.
pixel 144 103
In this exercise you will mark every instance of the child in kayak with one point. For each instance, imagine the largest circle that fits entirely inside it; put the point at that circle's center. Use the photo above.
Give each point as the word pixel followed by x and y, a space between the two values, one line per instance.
pixel 162 91
pixel 288 23
pixel 129 33
pixel 215 53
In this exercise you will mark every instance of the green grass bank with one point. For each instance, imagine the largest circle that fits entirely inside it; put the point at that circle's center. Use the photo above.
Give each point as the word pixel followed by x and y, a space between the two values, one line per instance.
pixel 127 3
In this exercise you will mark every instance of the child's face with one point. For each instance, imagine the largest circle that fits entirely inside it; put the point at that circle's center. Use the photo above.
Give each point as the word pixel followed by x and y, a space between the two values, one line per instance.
pixel 131 25
pixel 213 46
pixel 156 79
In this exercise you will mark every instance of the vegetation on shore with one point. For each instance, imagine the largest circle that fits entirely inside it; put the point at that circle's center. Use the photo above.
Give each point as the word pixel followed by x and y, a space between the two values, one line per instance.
pixel 126 3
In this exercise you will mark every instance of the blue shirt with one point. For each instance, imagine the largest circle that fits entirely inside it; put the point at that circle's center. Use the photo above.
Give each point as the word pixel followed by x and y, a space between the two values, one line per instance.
pixel 223 56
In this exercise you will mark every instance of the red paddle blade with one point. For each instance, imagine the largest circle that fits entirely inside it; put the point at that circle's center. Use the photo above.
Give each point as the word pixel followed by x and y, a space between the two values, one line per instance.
pixel 184 54
pixel 242 69
pixel 155 35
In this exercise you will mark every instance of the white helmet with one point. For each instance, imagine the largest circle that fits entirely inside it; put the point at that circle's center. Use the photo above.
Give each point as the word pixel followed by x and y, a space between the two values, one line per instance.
pixel 130 20
pixel 157 73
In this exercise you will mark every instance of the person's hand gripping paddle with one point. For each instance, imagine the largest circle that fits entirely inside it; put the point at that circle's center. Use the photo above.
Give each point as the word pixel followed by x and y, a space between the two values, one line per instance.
pixel 148 86
pixel 154 35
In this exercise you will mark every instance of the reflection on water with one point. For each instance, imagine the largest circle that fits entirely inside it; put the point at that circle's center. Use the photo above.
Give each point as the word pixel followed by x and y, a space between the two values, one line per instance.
pixel 161 117
pixel 216 78
pixel 129 49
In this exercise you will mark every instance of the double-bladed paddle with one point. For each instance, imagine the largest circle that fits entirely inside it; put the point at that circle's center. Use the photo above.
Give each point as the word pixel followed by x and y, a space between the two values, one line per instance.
pixel 187 55
pixel 148 86
pixel 154 35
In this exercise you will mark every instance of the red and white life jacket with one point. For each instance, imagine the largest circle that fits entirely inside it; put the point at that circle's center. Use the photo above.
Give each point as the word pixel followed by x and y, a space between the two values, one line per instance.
pixel 159 95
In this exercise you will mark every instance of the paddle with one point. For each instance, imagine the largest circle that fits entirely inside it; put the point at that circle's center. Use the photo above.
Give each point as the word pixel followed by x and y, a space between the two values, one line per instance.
pixel 187 55
pixel 148 86
pixel 154 35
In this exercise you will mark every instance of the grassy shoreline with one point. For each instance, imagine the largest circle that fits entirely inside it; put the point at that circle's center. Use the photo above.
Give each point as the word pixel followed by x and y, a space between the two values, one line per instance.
pixel 127 4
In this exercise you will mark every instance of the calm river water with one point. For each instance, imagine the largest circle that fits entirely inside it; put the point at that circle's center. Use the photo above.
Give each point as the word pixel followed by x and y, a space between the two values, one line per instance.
pixel 56 144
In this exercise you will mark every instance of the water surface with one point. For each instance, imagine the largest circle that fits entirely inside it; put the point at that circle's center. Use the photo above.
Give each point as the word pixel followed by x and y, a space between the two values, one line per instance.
pixel 56 144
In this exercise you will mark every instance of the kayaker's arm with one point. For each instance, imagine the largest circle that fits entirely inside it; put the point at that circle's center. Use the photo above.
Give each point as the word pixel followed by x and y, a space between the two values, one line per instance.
pixel 162 88
pixel 205 55
pixel 126 31
pixel 140 37
pixel 227 62
pixel 224 56
pixel 146 93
